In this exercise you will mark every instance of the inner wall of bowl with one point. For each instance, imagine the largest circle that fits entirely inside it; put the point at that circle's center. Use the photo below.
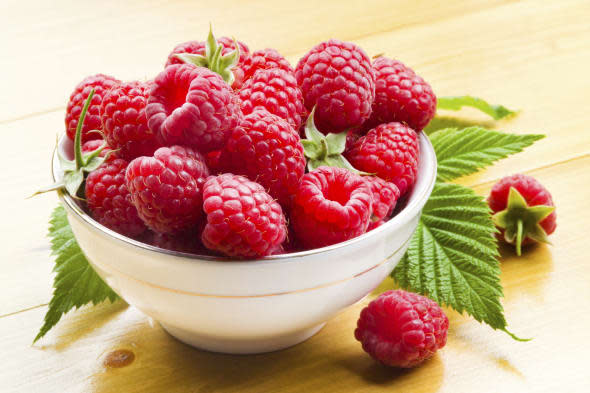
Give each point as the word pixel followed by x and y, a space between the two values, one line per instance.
pixel 415 202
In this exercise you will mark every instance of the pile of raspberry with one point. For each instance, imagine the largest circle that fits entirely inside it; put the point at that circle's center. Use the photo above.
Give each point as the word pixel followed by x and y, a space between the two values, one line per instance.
pixel 214 161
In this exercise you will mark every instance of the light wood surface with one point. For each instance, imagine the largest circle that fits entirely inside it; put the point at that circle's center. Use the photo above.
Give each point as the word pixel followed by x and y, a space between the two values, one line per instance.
pixel 529 55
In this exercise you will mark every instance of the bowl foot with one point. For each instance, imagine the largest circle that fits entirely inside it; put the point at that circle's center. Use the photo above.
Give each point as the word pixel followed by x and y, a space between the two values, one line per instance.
pixel 242 346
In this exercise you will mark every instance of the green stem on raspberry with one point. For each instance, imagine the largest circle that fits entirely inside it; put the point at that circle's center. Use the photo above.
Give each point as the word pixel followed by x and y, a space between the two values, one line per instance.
pixel 78 138
pixel 519 237
pixel 214 59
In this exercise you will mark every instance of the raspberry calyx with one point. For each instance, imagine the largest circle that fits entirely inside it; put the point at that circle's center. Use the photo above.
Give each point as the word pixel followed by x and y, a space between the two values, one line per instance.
pixel 213 58
pixel 519 220
pixel 75 170
pixel 325 150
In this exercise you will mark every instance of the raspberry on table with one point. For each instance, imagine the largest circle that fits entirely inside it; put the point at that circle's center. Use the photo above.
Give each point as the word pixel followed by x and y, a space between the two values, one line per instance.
pixel 385 196
pixel 265 59
pixel 167 188
pixel 101 84
pixel 390 151
pixel 124 122
pixel 402 329
pixel 275 90
pixel 198 48
pixel 192 106
pixel 338 79
pixel 266 149
pixel 109 200
pixel 401 96
pixel 331 205
pixel 523 210
pixel 242 219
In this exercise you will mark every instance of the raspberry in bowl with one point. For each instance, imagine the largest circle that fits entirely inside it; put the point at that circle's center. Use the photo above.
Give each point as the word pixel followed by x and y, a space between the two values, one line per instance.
pixel 248 305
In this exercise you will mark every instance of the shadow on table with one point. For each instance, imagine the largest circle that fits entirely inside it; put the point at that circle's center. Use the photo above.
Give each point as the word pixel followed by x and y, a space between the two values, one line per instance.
pixel 162 363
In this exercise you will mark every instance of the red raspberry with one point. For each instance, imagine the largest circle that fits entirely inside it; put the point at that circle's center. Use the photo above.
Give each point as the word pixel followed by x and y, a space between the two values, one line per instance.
pixel 101 85
pixel 376 224
pixel 193 106
pixel 213 161
pixel 266 149
pixel 276 91
pixel 391 151
pixel 242 219
pixel 265 59
pixel 402 329
pixel 95 144
pixel 167 188
pixel 331 205
pixel 522 198
pixel 122 113
pixel 109 200
pixel 198 48
pixel 401 95
pixel 337 78
pixel 385 196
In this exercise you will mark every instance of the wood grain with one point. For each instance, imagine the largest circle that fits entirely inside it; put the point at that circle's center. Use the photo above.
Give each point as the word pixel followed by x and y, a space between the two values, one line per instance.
pixel 529 55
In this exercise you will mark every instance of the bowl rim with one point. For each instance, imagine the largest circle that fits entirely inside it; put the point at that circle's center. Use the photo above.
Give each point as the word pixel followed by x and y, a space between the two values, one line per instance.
pixel 416 203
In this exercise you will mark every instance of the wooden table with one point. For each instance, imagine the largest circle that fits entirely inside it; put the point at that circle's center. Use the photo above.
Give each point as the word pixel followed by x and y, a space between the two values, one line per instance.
pixel 529 54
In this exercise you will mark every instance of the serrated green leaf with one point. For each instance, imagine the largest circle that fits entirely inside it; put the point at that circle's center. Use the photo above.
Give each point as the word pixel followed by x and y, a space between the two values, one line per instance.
pixel 452 257
pixel 455 103
pixel 462 152
pixel 75 283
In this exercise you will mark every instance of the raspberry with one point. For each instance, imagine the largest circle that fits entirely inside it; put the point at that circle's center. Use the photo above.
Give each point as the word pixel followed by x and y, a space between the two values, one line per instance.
pixel 242 219
pixel 198 48
pixel 401 95
pixel 167 188
pixel 266 149
pixel 276 91
pixel 95 144
pixel 101 85
pixel 213 161
pixel 192 106
pixel 122 113
pixel 385 196
pixel 109 200
pixel 523 210
pixel 390 151
pixel 265 59
pixel 337 78
pixel 402 329
pixel 331 205
pixel 375 224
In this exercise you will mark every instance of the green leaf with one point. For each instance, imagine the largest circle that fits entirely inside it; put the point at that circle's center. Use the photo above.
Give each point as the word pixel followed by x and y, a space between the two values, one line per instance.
pixel 455 103
pixel 75 283
pixel 452 257
pixel 462 152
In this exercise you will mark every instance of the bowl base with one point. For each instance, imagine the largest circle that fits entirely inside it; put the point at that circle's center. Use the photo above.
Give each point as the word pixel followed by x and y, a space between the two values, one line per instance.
pixel 241 346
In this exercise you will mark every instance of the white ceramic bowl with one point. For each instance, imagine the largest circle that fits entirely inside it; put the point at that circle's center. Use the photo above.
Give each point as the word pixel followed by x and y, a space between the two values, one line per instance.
pixel 248 306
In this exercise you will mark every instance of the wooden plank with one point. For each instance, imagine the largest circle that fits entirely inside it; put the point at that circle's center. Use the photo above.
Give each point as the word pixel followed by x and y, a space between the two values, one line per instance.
pixel 546 298
pixel 59 42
